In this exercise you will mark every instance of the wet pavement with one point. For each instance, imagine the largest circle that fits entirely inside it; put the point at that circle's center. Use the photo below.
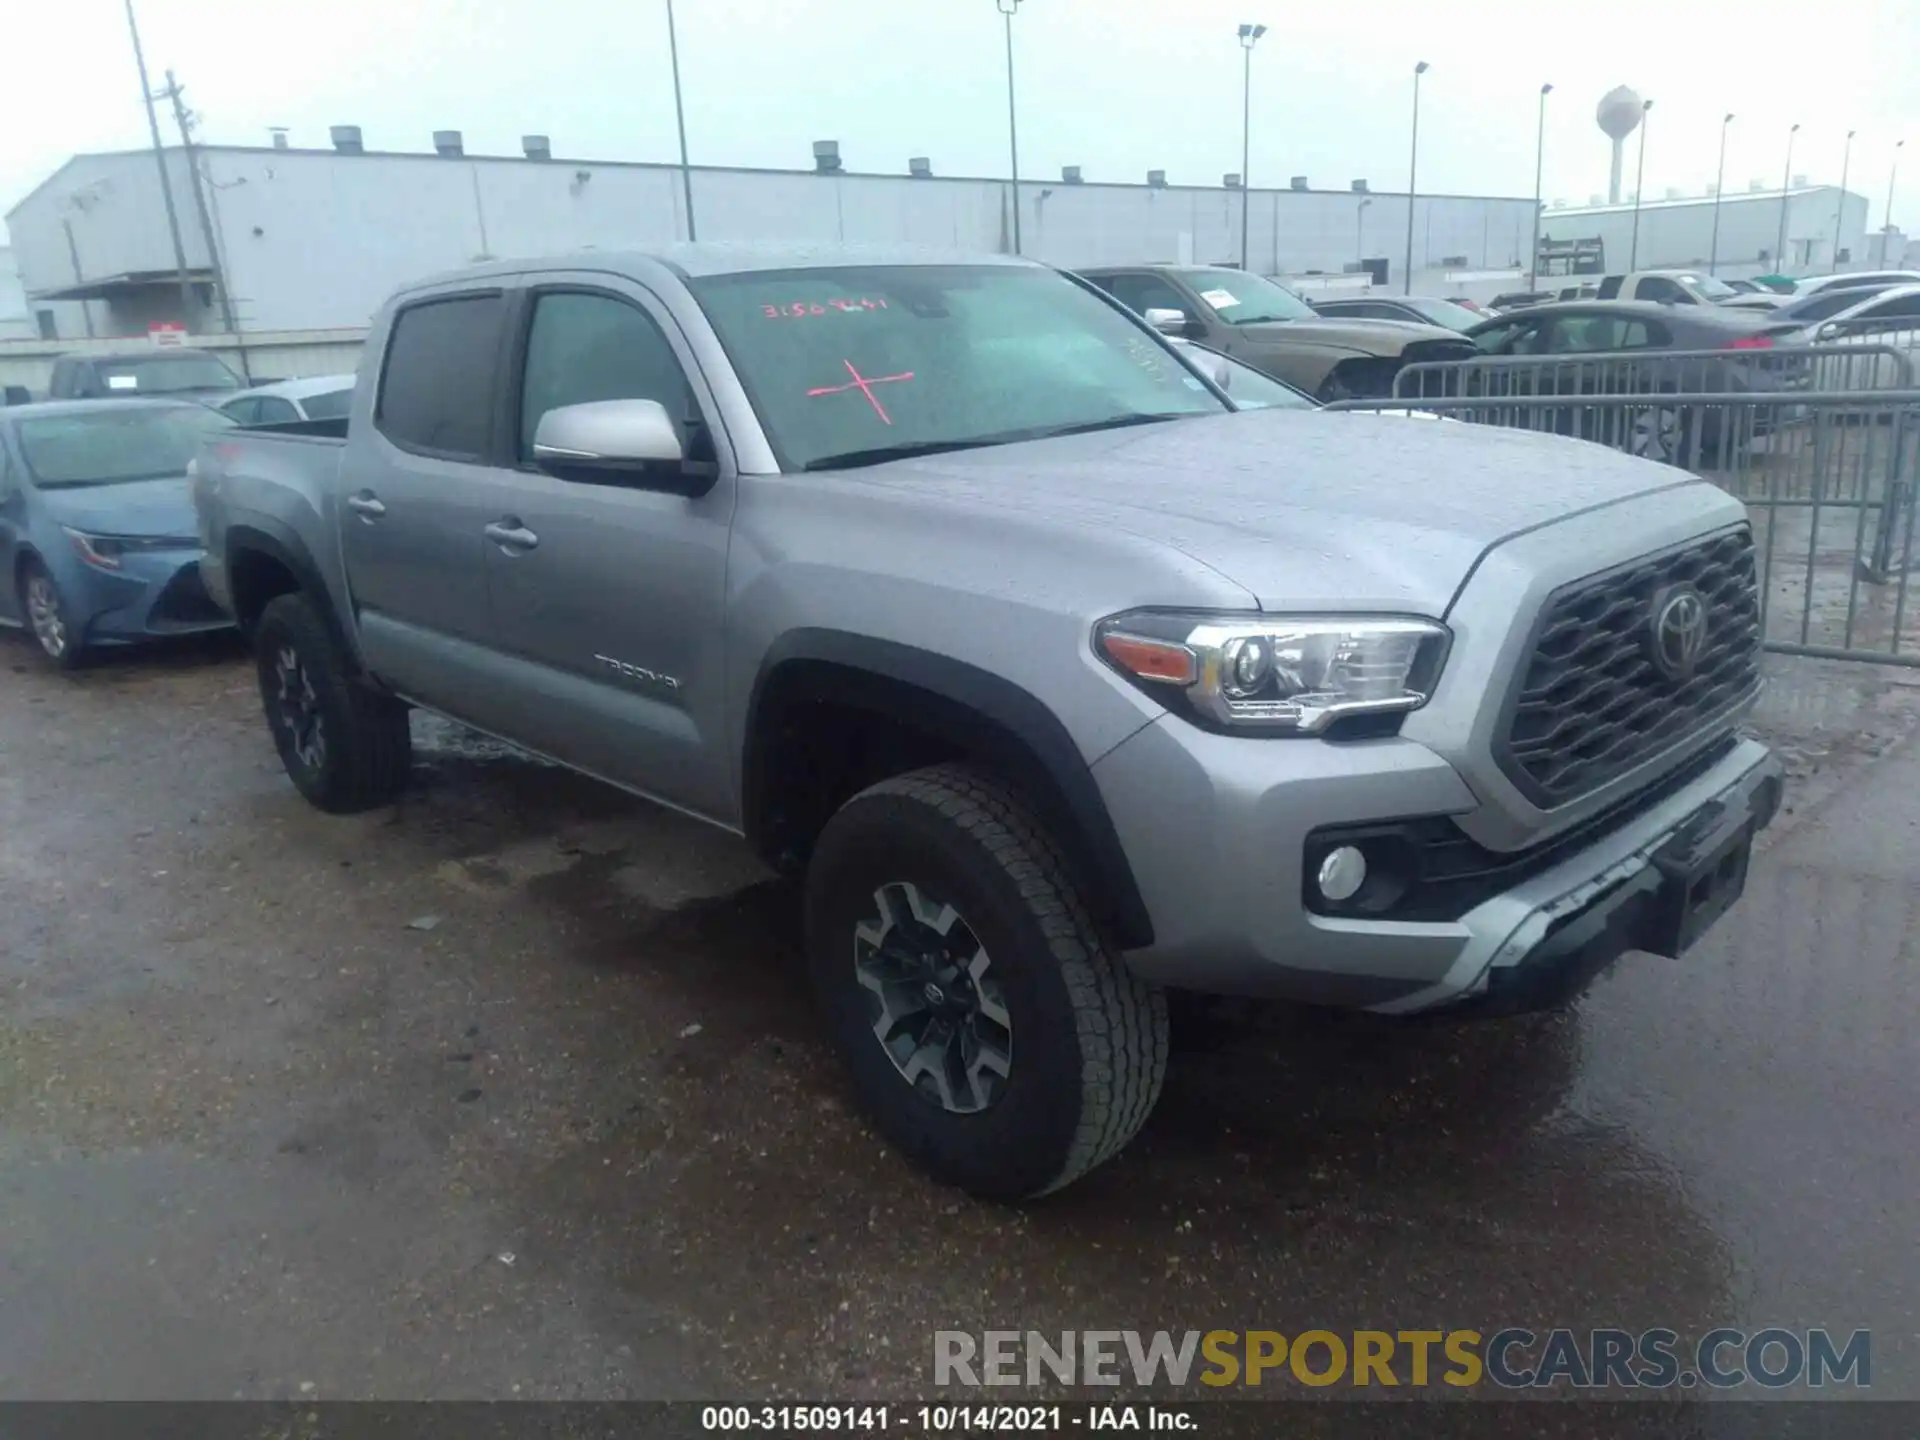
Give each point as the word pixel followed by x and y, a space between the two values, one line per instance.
pixel 514 1091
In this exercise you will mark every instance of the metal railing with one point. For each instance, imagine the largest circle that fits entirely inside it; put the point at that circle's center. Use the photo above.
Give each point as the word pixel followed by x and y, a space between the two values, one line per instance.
pixel 1828 478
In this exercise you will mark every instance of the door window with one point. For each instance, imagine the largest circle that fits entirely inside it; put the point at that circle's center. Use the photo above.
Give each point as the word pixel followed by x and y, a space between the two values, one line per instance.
pixel 436 388
pixel 584 347
pixel 274 411
pixel 1663 291
pixel 1597 334
pixel 244 411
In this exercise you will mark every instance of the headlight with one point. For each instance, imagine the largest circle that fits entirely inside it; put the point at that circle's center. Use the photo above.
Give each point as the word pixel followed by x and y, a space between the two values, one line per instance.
pixel 105 552
pixel 1275 674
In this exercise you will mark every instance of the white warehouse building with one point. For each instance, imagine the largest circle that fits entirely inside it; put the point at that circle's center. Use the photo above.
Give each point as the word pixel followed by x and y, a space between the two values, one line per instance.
pixel 1826 229
pixel 313 240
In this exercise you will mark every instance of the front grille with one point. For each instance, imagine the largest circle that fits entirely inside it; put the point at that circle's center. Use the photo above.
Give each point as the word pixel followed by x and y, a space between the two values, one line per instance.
pixel 1591 704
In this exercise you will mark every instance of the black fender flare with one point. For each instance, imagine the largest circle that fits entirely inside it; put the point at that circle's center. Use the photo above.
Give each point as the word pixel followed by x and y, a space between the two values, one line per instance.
pixel 980 714
pixel 268 537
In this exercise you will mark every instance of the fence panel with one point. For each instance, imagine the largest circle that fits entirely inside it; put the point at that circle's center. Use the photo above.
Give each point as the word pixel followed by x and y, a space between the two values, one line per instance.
pixel 1828 479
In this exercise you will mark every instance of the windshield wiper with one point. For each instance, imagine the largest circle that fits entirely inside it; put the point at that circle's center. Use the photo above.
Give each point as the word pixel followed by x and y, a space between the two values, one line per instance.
pixel 881 454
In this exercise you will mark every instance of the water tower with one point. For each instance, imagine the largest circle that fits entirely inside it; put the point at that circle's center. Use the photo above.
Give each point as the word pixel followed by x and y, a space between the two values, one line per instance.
pixel 1620 111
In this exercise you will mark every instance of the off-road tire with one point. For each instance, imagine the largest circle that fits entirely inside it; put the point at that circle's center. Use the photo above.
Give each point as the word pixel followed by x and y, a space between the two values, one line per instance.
pixel 1089 1040
pixel 367 749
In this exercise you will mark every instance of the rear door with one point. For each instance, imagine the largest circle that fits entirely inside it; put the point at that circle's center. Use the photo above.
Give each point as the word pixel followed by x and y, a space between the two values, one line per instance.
pixel 610 596
pixel 422 482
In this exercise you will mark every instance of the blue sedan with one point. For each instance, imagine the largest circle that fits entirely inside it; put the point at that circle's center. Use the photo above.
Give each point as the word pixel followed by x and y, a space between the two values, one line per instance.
pixel 98 542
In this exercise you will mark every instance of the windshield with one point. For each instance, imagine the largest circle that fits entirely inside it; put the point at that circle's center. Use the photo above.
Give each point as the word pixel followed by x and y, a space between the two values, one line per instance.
pixel 1708 286
pixel 110 446
pixel 859 363
pixel 1242 299
pixel 165 375
pixel 1446 313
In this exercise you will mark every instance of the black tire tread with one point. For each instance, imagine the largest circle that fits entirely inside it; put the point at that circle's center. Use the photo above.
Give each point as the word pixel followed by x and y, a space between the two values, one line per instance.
pixel 370 761
pixel 1121 1021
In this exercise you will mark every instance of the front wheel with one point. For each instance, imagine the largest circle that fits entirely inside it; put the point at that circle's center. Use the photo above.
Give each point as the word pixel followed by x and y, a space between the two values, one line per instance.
pixel 49 618
pixel 345 746
pixel 992 1034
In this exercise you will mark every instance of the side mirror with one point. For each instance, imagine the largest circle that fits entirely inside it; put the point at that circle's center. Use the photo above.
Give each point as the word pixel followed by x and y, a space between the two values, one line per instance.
pixel 1168 321
pixel 1828 331
pixel 16 395
pixel 616 442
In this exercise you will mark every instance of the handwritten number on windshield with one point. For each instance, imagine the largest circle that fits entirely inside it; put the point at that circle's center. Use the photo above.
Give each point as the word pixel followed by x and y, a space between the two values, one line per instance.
pixel 801 308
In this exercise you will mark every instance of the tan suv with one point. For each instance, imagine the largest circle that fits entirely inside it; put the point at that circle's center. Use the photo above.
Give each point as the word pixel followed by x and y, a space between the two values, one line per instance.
pixel 1270 328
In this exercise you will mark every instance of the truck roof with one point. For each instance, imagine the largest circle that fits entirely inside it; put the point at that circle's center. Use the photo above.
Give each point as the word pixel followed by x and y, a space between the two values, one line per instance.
pixel 693 261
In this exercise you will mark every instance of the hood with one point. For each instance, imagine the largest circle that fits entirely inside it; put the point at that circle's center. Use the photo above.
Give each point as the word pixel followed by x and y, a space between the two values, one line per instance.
pixel 1304 509
pixel 1365 337
pixel 137 507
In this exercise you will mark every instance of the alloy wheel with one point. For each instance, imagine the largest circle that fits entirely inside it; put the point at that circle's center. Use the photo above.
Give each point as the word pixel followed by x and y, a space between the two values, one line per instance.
pixel 297 708
pixel 43 613
pixel 935 1004
pixel 1656 433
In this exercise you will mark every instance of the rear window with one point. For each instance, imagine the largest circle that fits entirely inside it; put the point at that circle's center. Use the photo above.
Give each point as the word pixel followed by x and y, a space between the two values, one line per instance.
pixel 436 388
pixel 163 375
pixel 330 405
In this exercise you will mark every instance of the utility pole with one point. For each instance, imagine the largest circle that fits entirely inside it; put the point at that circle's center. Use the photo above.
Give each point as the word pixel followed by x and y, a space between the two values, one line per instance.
pixel 1007 8
pixel 1719 184
pixel 680 118
pixel 1539 160
pixel 1840 209
pixel 160 161
pixel 183 117
pixel 1413 177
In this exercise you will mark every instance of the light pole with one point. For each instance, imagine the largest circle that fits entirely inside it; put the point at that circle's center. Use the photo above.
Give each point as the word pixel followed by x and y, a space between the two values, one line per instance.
pixel 1413 173
pixel 1007 8
pixel 1248 35
pixel 1539 159
pixel 1840 209
pixel 680 118
pixel 1360 230
pixel 166 184
pixel 1786 182
pixel 1719 184
pixel 1639 185
pixel 1886 234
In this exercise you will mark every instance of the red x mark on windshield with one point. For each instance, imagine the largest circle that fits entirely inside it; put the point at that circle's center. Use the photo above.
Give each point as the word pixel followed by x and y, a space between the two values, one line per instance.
pixel 864 384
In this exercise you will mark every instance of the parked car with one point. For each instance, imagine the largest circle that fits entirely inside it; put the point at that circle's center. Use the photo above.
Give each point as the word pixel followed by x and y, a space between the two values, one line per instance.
pixel 1855 280
pixel 1823 304
pixel 1884 320
pixel 950 587
pixel 1665 287
pixel 180 374
pixel 1274 330
pixel 97 533
pixel 1520 299
pixel 1615 347
pixel 318 397
pixel 1419 309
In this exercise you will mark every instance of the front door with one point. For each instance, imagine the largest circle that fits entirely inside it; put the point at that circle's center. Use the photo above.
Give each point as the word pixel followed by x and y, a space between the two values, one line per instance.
pixel 611 595
pixel 421 486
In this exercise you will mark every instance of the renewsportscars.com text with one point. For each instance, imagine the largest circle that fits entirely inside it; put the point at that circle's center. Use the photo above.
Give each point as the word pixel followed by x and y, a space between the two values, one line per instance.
pixel 1510 1358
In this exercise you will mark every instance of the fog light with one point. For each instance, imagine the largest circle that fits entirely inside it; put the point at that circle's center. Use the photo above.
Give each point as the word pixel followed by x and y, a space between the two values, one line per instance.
pixel 1342 873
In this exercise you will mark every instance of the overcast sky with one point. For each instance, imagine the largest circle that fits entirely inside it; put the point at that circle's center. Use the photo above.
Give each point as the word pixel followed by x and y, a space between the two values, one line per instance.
pixel 1115 86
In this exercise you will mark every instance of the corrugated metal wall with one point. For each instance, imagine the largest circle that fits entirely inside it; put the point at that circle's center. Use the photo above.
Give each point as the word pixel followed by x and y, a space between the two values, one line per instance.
pixel 314 239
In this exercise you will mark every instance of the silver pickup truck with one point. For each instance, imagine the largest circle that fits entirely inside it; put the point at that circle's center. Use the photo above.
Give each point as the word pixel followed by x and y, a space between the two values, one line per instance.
pixel 952 588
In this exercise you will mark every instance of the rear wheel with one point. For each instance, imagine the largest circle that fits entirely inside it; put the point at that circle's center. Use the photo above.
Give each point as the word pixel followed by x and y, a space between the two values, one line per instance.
pixel 345 746
pixel 48 617
pixel 989 1030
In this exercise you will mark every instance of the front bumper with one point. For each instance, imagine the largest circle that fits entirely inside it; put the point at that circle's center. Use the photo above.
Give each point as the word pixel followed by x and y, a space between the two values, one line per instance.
pixel 153 594
pixel 1218 826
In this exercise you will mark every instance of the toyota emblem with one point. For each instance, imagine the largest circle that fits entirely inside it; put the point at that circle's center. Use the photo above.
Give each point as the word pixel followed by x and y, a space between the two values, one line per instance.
pixel 1678 633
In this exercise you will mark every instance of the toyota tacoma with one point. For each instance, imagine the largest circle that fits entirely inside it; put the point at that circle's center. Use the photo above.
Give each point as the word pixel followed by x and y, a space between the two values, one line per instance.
pixel 953 589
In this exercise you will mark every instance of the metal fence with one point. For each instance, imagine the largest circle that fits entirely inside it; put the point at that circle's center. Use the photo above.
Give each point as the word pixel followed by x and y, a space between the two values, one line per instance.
pixel 1827 475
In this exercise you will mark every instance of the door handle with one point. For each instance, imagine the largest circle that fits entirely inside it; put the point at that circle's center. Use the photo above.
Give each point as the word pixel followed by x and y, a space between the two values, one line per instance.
pixel 511 535
pixel 366 505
